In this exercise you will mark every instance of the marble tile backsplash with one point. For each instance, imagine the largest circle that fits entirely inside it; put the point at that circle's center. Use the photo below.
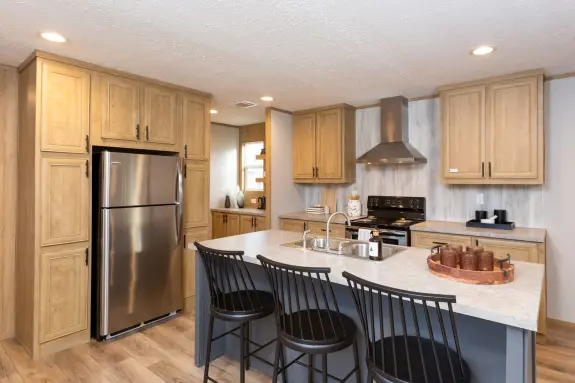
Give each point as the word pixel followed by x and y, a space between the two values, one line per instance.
pixel 444 202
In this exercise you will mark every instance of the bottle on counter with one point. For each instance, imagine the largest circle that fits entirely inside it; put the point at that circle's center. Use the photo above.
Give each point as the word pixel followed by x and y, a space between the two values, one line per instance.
pixel 375 247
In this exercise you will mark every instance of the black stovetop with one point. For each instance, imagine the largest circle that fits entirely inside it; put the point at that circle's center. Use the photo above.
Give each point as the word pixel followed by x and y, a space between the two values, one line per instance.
pixel 391 212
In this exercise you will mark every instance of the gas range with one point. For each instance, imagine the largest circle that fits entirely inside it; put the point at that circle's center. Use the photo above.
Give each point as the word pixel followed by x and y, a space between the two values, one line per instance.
pixel 391 216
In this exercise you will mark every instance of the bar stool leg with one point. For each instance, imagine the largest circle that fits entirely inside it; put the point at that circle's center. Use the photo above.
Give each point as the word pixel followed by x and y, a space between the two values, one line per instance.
pixel 357 365
pixel 242 353
pixel 248 362
pixel 279 349
pixel 369 376
pixel 324 368
pixel 310 369
pixel 209 348
pixel 284 373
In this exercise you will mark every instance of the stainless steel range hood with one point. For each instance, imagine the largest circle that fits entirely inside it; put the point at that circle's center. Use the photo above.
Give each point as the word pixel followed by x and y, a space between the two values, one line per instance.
pixel 394 147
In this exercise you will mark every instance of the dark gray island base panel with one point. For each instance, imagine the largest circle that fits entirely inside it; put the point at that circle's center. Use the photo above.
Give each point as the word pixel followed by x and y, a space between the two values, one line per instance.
pixel 495 352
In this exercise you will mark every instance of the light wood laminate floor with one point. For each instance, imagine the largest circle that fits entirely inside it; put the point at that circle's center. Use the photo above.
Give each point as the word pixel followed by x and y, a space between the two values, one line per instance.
pixel 164 353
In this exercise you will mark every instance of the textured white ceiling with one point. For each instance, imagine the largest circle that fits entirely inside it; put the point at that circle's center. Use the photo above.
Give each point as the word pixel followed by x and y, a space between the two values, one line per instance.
pixel 305 53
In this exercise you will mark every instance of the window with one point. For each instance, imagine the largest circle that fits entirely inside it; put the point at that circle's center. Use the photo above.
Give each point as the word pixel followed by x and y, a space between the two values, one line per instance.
pixel 251 167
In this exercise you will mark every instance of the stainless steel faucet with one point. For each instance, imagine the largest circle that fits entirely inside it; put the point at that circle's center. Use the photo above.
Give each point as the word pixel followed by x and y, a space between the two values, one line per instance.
pixel 304 239
pixel 329 222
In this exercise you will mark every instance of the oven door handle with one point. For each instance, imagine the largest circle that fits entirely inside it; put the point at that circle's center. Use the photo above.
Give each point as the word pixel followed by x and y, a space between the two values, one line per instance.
pixel 385 231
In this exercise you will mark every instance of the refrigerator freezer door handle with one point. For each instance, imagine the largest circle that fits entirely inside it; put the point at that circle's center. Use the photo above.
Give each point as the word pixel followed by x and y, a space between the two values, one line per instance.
pixel 179 203
pixel 105 272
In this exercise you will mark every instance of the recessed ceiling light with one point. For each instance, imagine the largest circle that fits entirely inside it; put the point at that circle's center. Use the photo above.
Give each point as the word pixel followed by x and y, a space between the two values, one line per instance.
pixel 53 36
pixel 267 98
pixel 213 111
pixel 483 50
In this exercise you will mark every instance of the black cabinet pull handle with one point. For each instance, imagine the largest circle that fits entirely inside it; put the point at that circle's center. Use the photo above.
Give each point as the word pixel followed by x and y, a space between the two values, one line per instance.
pixel 186 151
pixel 87 168
pixel 185 170
pixel 313 171
pixel 439 243
pixel 87 252
pixel 483 169
pixel 137 131
pixel 317 172
pixel 489 168
pixel 87 143
pixel 147 133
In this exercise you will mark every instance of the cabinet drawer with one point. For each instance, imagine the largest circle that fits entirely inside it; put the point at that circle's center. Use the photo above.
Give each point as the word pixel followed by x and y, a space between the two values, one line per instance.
pixel 429 240
pixel 319 228
pixel 292 225
pixel 519 251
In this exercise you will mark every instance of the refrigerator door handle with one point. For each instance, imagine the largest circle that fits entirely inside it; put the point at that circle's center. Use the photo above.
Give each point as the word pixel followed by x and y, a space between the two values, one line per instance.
pixel 105 273
pixel 179 203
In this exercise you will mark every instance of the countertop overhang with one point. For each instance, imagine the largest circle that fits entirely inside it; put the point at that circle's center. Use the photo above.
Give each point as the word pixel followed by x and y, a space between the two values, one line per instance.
pixel 514 304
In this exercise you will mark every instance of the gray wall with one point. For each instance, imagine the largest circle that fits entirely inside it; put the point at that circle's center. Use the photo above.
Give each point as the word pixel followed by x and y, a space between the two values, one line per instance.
pixel 223 164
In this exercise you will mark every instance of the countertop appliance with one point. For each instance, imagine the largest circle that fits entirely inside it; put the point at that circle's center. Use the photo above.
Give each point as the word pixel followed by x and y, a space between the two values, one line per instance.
pixel 391 216
pixel 140 228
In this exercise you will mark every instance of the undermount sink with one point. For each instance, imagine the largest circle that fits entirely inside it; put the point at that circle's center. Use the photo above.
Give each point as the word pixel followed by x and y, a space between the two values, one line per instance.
pixel 349 247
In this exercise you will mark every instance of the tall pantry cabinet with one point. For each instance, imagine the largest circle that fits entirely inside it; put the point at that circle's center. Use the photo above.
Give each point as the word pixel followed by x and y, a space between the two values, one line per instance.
pixel 66 106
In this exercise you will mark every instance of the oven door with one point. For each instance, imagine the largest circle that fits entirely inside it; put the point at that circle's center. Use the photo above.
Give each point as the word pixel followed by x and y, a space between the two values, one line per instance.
pixel 391 237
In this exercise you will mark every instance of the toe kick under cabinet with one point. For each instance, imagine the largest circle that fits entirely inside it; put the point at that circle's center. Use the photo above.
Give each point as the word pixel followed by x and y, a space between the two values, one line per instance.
pixel 66 107
pixel 518 250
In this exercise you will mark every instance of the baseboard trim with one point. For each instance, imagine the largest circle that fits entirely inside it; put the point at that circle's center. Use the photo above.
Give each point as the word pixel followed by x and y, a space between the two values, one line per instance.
pixel 558 322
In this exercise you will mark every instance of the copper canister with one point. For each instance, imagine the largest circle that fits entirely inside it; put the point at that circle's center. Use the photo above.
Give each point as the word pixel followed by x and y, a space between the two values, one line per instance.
pixel 458 250
pixel 485 261
pixel 475 249
pixel 448 258
pixel 469 261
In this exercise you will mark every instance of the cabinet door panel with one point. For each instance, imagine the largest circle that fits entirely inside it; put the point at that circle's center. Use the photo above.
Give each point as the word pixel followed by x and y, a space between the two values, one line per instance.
pixel 196 125
pixel 65 106
pixel 519 251
pixel 196 195
pixel 232 224
pixel 246 224
pixel 63 294
pixel 303 146
pixel 261 224
pixel 189 259
pixel 463 115
pixel 429 240
pixel 292 225
pixel 513 129
pixel 120 98
pixel 328 144
pixel 160 115
pixel 65 201
pixel 218 225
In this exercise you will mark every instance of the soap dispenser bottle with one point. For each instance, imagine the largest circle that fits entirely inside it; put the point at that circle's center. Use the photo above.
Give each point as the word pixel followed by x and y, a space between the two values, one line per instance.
pixel 375 248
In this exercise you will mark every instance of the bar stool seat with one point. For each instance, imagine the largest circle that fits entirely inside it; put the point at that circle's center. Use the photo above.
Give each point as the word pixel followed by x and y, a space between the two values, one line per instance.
pixel 311 331
pixel 242 306
pixel 384 360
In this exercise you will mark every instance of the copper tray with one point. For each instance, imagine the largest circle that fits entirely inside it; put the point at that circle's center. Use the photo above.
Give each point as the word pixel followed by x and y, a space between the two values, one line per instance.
pixel 504 272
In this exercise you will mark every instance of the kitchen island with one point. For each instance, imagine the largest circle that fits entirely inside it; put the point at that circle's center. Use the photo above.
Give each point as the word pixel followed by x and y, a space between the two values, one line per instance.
pixel 496 324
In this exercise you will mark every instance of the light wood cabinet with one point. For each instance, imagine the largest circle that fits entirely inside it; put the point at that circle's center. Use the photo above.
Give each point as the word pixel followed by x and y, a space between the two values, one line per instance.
pixel 519 251
pixel 324 145
pixel 64 115
pixel 493 131
pixel 428 240
pixel 160 115
pixel 63 293
pixel 196 194
pixel 219 229
pixel 247 224
pixel 120 103
pixel 189 259
pixel 65 201
pixel 293 225
pixel 232 225
pixel 260 223
pixel 195 118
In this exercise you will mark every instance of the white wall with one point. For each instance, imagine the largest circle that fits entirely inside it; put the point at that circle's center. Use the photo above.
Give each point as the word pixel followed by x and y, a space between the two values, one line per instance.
pixel 559 197
pixel 223 164
pixel 286 197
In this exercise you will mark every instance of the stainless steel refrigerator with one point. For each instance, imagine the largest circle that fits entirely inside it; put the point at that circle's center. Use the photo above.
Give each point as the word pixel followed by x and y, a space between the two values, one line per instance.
pixel 139 252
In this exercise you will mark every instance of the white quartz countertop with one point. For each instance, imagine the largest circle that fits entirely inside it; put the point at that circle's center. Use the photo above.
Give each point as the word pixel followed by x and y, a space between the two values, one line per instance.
pixel 514 304
pixel 235 210
pixel 459 228
pixel 303 216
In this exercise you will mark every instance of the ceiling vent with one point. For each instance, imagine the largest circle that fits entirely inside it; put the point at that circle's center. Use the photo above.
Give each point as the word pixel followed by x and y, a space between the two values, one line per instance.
pixel 246 104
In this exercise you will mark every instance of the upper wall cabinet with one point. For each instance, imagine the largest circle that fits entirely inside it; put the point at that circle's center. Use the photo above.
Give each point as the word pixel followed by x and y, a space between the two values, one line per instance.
pixel 64 108
pixel 120 102
pixel 324 145
pixel 196 125
pixel 493 131
pixel 160 115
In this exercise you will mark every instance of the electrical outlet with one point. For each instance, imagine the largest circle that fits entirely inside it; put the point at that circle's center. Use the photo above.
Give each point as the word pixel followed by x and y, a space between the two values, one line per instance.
pixel 480 200
pixel 253 200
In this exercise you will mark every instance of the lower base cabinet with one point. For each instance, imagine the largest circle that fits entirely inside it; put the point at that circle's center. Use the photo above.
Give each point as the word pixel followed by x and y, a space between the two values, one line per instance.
pixel 189 263
pixel 227 225
pixel 317 228
pixel 518 250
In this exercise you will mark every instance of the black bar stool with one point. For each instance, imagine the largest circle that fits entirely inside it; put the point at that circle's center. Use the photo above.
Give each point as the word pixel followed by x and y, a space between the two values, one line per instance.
pixel 308 318
pixel 404 355
pixel 234 298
